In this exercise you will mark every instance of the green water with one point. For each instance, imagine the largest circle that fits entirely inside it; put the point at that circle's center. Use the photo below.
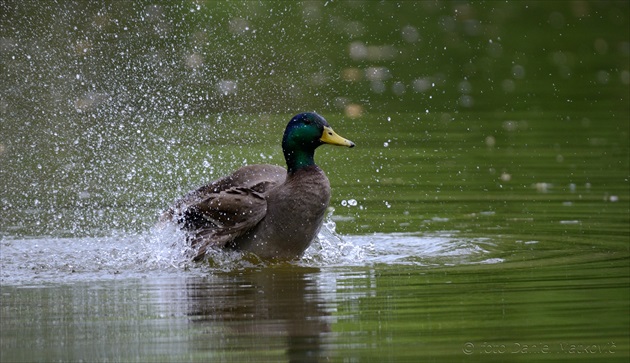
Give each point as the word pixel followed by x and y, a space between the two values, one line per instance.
pixel 550 309
pixel 483 216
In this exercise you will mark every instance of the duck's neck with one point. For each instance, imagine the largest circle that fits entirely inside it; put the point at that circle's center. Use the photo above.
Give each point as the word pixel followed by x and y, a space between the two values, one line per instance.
pixel 298 159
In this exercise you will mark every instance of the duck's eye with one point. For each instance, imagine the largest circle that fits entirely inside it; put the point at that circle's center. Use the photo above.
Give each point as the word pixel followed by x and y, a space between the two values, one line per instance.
pixel 307 122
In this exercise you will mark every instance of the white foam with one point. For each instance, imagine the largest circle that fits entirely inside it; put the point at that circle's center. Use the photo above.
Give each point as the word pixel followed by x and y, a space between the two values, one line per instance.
pixel 164 251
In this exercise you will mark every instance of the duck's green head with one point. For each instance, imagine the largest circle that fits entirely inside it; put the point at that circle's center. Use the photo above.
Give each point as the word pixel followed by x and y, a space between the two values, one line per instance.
pixel 304 133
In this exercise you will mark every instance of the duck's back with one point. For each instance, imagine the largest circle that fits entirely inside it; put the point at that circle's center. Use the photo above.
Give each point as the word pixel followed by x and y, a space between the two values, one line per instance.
pixel 260 178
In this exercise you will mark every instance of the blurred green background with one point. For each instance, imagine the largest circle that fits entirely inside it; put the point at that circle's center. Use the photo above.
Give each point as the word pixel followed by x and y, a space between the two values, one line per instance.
pixel 124 59
pixel 111 109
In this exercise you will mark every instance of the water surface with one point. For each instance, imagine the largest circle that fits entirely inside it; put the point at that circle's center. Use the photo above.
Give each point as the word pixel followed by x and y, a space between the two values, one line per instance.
pixel 459 301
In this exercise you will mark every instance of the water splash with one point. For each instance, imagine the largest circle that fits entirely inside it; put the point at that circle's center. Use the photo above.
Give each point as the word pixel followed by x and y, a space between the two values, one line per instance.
pixel 330 248
pixel 165 247
pixel 163 251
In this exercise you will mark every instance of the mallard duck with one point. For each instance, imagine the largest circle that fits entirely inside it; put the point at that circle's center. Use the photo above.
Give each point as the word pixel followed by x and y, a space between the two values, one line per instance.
pixel 264 209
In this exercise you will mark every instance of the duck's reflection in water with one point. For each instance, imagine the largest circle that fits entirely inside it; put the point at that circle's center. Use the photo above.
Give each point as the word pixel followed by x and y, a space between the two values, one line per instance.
pixel 266 312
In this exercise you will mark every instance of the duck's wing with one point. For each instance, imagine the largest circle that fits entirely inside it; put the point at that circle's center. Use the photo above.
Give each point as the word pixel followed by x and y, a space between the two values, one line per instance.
pixel 217 213
pixel 258 178
pixel 222 217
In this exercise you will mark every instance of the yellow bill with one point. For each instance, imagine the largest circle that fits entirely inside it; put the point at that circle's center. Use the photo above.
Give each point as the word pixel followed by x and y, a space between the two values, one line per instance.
pixel 331 137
